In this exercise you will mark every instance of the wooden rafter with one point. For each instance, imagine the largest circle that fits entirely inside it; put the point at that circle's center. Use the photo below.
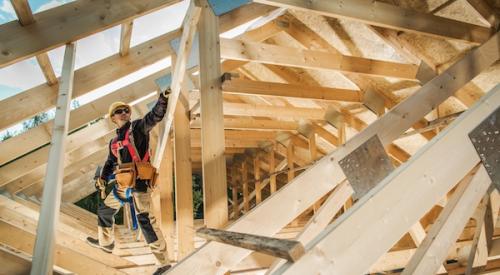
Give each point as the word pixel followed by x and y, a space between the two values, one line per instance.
pixel 310 59
pixel 390 16
pixel 68 23
pixel 388 127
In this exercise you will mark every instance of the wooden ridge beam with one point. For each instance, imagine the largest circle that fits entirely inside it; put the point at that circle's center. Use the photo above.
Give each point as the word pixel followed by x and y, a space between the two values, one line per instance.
pixel 24 105
pixel 275 213
pixel 262 88
pixel 371 210
pixel 389 16
pixel 234 49
pixel 68 23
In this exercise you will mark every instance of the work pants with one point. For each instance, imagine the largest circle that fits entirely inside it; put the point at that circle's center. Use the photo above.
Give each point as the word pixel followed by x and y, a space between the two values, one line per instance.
pixel 147 222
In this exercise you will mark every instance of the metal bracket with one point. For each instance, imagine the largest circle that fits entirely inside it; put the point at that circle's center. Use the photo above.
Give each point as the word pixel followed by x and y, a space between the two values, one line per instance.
pixel 486 139
pixel 366 166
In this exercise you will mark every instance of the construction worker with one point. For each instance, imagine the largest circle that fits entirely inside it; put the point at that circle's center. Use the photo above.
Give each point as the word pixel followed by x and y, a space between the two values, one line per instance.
pixel 129 162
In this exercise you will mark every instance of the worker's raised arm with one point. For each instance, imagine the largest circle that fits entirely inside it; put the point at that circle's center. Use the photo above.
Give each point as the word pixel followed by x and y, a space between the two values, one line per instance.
pixel 154 116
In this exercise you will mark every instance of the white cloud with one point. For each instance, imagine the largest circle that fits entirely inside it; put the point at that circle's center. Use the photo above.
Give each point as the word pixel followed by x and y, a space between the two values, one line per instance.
pixel 52 4
pixel 6 7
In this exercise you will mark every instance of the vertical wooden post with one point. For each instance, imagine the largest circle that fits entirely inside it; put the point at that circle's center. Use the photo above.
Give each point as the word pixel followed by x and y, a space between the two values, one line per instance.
pixel 43 256
pixel 272 169
pixel 290 158
pixel 256 173
pixel 165 213
pixel 234 189
pixel 244 179
pixel 313 149
pixel 183 177
pixel 212 121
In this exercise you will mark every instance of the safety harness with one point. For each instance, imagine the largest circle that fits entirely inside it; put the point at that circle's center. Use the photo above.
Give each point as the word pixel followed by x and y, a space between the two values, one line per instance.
pixel 116 146
pixel 127 142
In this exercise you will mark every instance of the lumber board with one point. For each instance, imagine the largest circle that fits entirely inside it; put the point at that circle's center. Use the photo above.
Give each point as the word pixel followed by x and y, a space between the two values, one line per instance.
pixel 286 249
pixel 274 213
pixel 262 88
pixel 414 198
pixel 443 234
pixel 234 49
pixel 68 23
pixel 215 207
pixel 389 16
pixel 41 98
pixel 43 253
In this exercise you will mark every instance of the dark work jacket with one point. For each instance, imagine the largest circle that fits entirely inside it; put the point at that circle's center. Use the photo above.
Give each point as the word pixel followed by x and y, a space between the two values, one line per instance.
pixel 140 130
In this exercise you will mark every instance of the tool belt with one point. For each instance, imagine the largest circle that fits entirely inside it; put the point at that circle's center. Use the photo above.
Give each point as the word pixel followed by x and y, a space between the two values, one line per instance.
pixel 126 174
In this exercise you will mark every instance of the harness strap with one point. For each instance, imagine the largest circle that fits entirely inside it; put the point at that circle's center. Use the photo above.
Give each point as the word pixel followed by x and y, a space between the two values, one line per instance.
pixel 129 143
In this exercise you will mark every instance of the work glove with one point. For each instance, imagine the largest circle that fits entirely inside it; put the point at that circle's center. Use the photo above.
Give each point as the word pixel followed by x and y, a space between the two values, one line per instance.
pixel 167 92
pixel 100 186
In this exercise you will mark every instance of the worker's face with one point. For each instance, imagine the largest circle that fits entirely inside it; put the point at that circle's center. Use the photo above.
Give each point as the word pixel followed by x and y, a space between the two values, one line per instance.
pixel 121 116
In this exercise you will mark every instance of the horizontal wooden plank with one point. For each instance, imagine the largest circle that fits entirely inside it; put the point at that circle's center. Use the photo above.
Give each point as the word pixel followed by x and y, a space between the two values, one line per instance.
pixel 311 59
pixel 26 104
pixel 389 16
pixel 262 88
pixel 68 23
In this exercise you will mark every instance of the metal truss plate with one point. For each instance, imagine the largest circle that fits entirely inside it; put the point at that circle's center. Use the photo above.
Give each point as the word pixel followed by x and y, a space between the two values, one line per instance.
pixel 366 166
pixel 486 139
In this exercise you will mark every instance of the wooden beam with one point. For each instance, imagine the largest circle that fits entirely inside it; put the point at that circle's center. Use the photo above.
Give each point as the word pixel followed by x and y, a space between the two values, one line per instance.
pixel 234 191
pixel 69 233
pixel 47 70
pixel 248 123
pixel 450 223
pixel 310 59
pixel 25 105
pixel 164 210
pixel 244 180
pixel 40 135
pixel 273 89
pixel 23 12
pixel 286 249
pixel 68 23
pixel 183 179
pixel 277 112
pixel 275 213
pixel 478 253
pixel 44 245
pixel 25 17
pixel 22 240
pixel 272 169
pixel 188 32
pixel 322 218
pixel 212 119
pixel 125 36
pixel 389 16
pixel 486 11
pixel 419 175
pixel 257 182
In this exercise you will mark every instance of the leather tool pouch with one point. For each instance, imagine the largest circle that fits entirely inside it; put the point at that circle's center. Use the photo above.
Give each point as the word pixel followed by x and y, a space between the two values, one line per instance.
pixel 145 171
pixel 125 175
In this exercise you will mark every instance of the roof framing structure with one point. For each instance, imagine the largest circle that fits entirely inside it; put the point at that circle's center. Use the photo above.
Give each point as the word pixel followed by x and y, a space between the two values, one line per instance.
pixel 265 116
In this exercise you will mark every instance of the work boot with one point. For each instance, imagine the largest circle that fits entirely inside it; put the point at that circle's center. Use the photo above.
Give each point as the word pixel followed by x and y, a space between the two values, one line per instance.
pixel 162 269
pixel 95 243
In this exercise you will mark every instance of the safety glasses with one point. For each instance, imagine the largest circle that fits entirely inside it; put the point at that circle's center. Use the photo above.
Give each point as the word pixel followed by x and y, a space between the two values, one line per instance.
pixel 120 111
